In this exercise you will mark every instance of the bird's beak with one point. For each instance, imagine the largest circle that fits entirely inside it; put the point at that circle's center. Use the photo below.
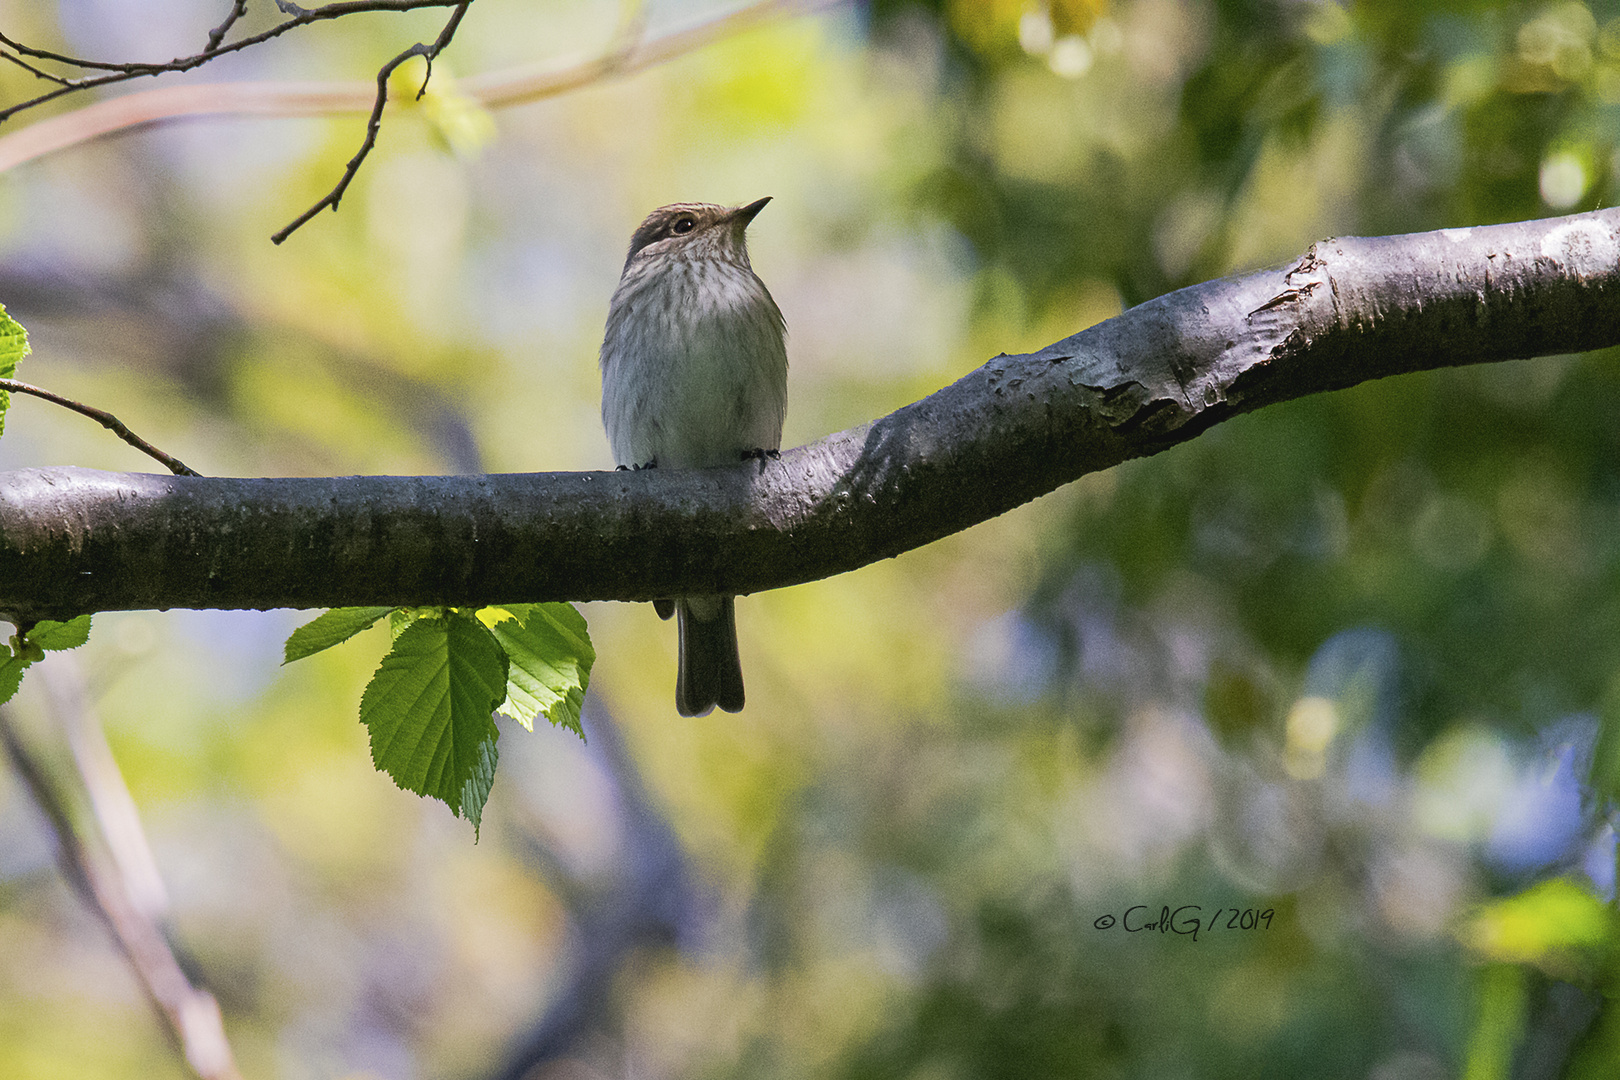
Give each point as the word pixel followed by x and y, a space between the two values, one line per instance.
pixel 745 214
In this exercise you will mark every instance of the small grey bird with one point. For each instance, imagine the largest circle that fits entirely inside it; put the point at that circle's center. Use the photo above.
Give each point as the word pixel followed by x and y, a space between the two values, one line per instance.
pixel 694 373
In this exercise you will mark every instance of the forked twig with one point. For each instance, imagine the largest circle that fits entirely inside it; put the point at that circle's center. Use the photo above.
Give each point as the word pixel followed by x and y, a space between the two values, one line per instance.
pixel 217 34
pixel 374 124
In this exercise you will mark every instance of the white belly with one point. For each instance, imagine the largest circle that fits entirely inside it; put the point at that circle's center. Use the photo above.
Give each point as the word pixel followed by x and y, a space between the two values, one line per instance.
pixel 694 367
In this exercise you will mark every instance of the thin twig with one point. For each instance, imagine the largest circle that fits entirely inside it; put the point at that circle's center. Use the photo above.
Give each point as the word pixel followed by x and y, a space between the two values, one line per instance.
pixel 106 420
pixel 374 124
pixel 74 61
pixel 192 1015
pixel 39 73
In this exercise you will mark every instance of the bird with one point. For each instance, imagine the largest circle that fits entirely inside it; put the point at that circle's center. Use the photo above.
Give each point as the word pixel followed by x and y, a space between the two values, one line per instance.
pixel 694 374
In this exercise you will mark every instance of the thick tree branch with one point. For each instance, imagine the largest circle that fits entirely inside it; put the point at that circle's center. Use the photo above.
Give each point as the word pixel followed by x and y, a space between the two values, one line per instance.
pixel 1349 310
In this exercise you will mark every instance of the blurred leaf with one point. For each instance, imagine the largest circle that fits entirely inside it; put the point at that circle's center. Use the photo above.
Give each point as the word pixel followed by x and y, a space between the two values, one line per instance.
pixel 1498 1024
pixel 551 657
pixel 459 121
pixel 1240 702
pixel 428 709
pixel 13 347
pixel 1595 1056
pixel 332 628
pixel 1542 925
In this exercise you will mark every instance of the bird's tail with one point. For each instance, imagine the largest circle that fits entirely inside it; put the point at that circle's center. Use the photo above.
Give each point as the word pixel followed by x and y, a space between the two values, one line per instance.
pixel 710 672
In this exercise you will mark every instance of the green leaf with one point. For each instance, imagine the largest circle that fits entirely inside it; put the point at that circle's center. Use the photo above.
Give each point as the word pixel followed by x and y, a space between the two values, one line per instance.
pixel 57 636
pixel 11 673
pixel 13 347
pixel 428 709
pixel 333 628
pixel 402 617
pixel 551 657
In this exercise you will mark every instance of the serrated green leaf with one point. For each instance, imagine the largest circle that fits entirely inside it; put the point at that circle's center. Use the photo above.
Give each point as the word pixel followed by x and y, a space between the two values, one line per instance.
pixel 428 709
pixel 551 657
pixel 57 636
pixel 333 628
pixel 13 347
pixel 11 673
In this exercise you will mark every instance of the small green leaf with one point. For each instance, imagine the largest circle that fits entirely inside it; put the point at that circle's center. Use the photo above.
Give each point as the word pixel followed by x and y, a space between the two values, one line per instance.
pixel 429 708
pixel 333 628
pixel 13 347
pixel 11 673
pixel 57 636
pixel 551 657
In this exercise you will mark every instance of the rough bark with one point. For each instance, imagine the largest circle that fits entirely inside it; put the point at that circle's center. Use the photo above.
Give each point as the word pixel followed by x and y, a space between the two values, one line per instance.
pixel 1350 310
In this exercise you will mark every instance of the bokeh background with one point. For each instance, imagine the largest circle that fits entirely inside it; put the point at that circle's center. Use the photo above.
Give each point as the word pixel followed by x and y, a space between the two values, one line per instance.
pixel 1346 662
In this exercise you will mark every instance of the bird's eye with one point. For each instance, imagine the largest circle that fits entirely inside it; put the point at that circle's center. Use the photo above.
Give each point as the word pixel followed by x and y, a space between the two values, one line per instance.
pixel 684 224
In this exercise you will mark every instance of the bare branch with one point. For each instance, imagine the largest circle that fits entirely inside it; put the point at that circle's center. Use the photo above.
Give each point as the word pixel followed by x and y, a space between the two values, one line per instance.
pixel 106 420
pixel 123 72
pixel 374 125
pixel 192 1016
pixel 626 54
pixel 37 72
pixel 74 61
pixel 1349 310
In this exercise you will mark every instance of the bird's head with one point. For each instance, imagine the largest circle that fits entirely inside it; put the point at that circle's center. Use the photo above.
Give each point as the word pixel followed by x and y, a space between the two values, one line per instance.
pixel 694 231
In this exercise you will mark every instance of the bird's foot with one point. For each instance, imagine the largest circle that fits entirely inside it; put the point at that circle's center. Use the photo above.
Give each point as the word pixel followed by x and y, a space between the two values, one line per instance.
pixel 759 453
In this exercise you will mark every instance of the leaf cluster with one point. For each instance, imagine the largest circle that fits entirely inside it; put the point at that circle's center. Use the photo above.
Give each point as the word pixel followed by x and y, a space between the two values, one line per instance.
pixel 429 707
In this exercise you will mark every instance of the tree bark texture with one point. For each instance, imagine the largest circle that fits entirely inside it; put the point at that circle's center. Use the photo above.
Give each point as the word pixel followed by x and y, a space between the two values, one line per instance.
pixel 1351 309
